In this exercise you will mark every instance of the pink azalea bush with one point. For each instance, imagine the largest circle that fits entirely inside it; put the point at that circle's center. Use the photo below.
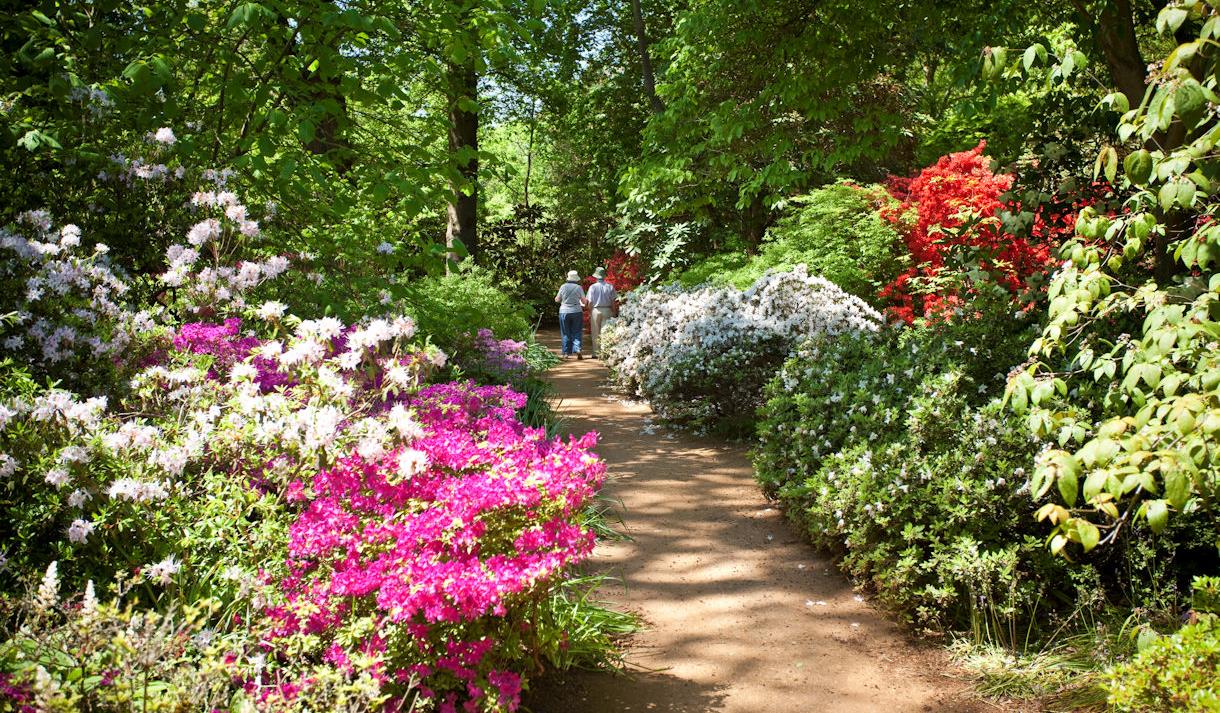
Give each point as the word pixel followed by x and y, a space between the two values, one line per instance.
pixel 317 520
pixel 425 558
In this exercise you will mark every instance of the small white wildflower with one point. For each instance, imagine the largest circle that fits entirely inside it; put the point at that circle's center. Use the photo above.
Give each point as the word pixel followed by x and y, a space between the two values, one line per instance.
pixel 48 589
pixel 80 530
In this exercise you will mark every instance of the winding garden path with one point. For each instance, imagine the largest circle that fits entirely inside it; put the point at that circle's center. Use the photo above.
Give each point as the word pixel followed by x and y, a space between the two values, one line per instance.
pixel 740 614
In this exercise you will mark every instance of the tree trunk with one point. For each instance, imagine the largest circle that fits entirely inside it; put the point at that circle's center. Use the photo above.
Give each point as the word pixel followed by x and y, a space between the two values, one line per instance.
pixel 529 154
pixel 1115 33
pixel 754 224
pixel 463 150
pixel 641 40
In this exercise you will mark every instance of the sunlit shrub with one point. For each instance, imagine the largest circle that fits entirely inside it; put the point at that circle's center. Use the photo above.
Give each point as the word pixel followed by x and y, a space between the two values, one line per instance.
pixel 949 215
pixel 837 231
pixel 887 449
pixel 446 307
pixel 356 535
pixel 1178 671
pixel 702 356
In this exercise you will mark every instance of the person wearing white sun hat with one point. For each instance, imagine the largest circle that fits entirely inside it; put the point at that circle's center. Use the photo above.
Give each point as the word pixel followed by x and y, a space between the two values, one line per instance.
pixel 571 314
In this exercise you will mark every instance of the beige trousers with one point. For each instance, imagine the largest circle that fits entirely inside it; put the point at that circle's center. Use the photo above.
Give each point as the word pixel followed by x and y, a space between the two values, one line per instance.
pixel 597 318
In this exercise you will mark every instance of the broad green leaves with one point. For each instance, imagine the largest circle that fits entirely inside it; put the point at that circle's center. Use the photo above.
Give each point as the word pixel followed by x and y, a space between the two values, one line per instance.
pixel 1133 330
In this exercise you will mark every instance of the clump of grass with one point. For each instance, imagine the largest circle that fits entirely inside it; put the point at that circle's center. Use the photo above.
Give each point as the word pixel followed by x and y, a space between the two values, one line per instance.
pixel 593 631
pixel 1065 672
pixel 1062 679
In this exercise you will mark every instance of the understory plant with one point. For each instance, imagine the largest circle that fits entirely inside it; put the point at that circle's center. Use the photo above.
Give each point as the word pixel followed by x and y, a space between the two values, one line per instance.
pixel 837 232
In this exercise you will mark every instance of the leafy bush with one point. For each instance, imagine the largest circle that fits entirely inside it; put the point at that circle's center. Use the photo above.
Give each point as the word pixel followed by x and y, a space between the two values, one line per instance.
pixel 894 451
pixel 446 306
pixel 1178 672
pixel 702 356
pixel 949 215
pixel 889 450
pixel 326 526
pixel 1124 377
pixel 837 232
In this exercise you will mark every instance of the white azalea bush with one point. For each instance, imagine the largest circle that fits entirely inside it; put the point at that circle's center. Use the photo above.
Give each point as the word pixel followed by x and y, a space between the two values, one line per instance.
pixel 702 355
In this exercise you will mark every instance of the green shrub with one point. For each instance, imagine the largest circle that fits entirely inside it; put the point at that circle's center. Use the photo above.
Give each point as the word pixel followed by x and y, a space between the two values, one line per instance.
pixel 837 231
pixel 445 306
pixel 1180 672
pixel 892 451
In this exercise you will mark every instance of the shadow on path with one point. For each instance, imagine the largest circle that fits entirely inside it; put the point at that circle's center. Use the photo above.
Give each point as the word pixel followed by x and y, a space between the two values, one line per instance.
pixel 741 614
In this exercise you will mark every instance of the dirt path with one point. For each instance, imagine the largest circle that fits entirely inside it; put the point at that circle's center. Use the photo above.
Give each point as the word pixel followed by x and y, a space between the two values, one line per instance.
pixel 741 614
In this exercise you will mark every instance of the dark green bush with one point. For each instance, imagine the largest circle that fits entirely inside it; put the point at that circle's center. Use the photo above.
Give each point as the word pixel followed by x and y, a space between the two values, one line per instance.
pixel 445 306
pixel 895 452
pixel 892 452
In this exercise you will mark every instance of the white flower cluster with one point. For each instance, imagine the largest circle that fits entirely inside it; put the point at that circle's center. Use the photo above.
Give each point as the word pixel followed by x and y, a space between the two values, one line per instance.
pixel 213 283
pixel 66 303
pixel 662 335
pixel 98 460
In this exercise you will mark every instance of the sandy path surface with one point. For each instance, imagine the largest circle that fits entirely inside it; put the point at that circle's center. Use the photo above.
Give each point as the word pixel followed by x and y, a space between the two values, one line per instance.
pixel 741 615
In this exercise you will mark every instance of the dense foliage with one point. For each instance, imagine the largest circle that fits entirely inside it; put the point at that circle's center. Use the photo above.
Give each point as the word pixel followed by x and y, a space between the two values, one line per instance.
pixel 272 428
pixel 838 232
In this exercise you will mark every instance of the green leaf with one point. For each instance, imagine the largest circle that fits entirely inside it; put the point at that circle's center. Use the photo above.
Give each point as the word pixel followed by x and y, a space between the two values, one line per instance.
pixel 1033 53
pixel 1177 488
pixel 1170 19
pixel 1158 515
pixel 1189 102
pixel 1088 534
pixel 247 14
pixel 1138 167
pixel 1068 480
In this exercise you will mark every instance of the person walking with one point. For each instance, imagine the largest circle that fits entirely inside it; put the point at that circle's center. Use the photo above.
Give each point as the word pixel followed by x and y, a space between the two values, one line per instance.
pixel 602 300
pixel 571 298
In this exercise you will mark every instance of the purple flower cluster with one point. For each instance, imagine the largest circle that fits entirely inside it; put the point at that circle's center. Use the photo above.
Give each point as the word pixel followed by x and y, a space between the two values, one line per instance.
pixel 498 360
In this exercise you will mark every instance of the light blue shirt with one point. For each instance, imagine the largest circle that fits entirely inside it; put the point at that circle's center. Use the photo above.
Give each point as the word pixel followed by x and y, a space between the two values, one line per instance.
pixel 570 295
pixel 602 294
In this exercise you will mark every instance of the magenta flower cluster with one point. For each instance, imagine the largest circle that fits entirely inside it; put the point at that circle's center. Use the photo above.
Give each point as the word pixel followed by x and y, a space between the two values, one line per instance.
pixel 225 343
pixel 441 540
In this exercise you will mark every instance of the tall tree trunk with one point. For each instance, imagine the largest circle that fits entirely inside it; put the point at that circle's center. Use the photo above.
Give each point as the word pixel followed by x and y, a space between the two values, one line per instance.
pixel 463 148
pixel 641 40
pixel 754 224
pixel 1115 33
pixel 529 154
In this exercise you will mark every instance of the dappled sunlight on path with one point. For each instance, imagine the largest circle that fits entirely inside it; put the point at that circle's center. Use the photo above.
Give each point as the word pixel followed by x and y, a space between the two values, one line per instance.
pixel 741 614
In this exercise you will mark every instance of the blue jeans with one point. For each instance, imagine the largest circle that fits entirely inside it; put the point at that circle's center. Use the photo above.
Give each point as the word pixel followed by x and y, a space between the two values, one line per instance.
pixel 571 326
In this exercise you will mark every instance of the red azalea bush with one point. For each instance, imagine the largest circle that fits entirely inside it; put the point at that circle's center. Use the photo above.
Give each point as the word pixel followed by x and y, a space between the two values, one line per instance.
pixel 623 271
pixel 952 210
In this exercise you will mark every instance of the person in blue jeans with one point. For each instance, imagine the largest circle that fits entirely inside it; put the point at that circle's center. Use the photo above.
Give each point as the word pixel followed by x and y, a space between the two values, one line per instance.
pixel 571 314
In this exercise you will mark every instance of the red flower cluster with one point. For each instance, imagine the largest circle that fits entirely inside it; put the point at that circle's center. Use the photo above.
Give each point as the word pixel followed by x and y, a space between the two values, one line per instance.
pixel 956 204
pixel 623 271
